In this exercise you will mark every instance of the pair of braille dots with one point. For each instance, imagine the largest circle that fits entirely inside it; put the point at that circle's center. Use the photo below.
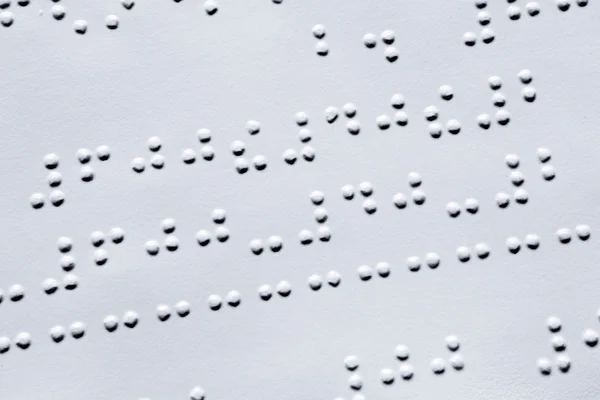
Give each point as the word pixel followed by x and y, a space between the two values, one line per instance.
pixel 164 311
pixel 76 329
pixel 559 344
pixel 51 285
pixel 15 293
pixel 22 341
pixel 198 392
pixel 388 37
pixel 565 5
pixel 319 32
pixel 565 235
pixel 513 11
pixel 304 135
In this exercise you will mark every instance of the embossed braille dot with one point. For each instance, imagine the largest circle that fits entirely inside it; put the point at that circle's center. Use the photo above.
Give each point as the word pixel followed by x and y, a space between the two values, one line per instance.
pixel 533 8
pixel 446 92
pixel 513 244
pixel 163 312
pixel 590 337
pixel 317 197
pixel 4 4
pixel 319 31
pixel 308 153
pixel 435 130
pixel 207 152
pixel 130 319
pixel 484 121
pixel 112 22
pixel 290 156
pixel 234 298
pixel 452 342
pixel 401 118
pixel 498 99
pixel 348 192
pixel 238 148
pixel 50 285
pixel 453 209
pixel 84 155
pixel 171 243
pixel 222 234
pixel 414 179
pixel 355 382
pixel 383 122
pixel 57 333
pixel 37 200
pixel 453 126
pixel 265 292
pixel 324 233
pixel 211 7
pixel 480 3
pixel 117 235
pixel 64 244
pixel 532 241
pixel 406 371
pixel 370 206
pixel 502 200
pixel 70 282
pixel 253 127
pixel 97 238
pixel 152 247
pixel 525 76
pixel 305 236
pixel 432 260
pixel 353 127
pixel 397 101
pixel 544 366
pixel 77 329
pixel 484 18
pixel 418 197
pixel 400 200
pixel 168 225
pixel 57 198
pixel 383 269
pixel 463 253
pixel 197 393
pixel 388 36
pixel 554 324
pixel 256 246
pixel 6 18
pixel 100 256
pixel 284 289
pixel 521 196
pixel 401 352
pixel 516 177
pixel 457 362
pixel 487 35
pixel 543 154
pixel 128 4
pixel 528 94
pixel 564 235
pixel 370 40
pixel 514 12
pixel 391 53
pixel 111 323
pixel 315 282
pixel 322 48
pixel 275 243
pixel 350 110
pixel 86 173
pixel 351 363
pixel 304 135
pixel 23 340
pixel 512 160
pixel 51 161
pixel 548 172
pixel 471 205
pixel 331 114
pixel 365 272
pixel 218 215
pixel 67 263
pixel 366 188
pixel 583 232
pixel 103 152
pixel 470 38
pixel 334 278
pixel 558 342
pixel 320 215
pixel 431 113
pixel 413 263
pixel 54 179
pixel 203 237
pixel 563 363
pixel 301 118
pixel 563 5
pixel 495 82
pixel 154 143
pixel 438 366
pixel 4 344
pixel 482 250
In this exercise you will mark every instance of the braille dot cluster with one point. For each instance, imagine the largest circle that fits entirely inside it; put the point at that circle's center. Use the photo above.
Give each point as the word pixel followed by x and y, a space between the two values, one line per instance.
pixel 547 171
pixel 406 369
pixel 238 149
pixel 283 289
pixel 54 180
pixel 22 341
pixel 397 102
pixel 98 238
pixel 76 329
pixel 482 251
pixel 351 363
pixel 353 125
pixel 454 209
pixel 171 242
pixel 51 285
pixel 431 259
pixel 388 37
pixel 366 190
pixel 418 197
pixel 182 308
pixel 14 293
pixel 582 231
pixel 563 362
pixel 565 5
pixel 528 92
pixel 315 281
pixel 319 32
pixel 130 320
pixel 486 34
pixel 290 156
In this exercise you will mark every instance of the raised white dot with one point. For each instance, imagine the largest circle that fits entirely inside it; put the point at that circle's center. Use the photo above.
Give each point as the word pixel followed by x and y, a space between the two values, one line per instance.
pixel 163 312
pixel 203 237
pixel 301 118
pixel 171 243
pixel 100 256
pixel 324 233
pixel 401 352
pixel 253 127
pixel 452 342
pixel 418 197
pixel 558 343
pixel 319 31
pixel 353 127
pixel 214 302
pixel 563 363
pixel 469 38
pixel 438 366
pixel 355 382
pixel 554 324
pixel 284 288
pixel 210 7
pixel 564 235
pixel 350 110
pixel 331 114
pixel 370 40
pixel 387 376
pixel 57 333
pixel 348 192
pixel 103 152
pixel 583 231
pixel 521 196
pixel 265 292
pixel 453 209
pixel 383 269
pixel 413 263
pixel 334 278
pixel 157 161
pixel 590 337
pixel 391 53
pixel 487 35
pixel 23 340
pixel 207 152
pixel 64 244
pixel 463 253
pixel 197 393
pixel 482 250
pixel 50 285
pixel 532 241
pixel 306 237
pixel 513 244
pixel 370 206
pixel 182 308
pixel 256 246
pixel 383 122
pixel 238 148
pixel 431 113
pixel 457 362
pixel 548 172
pixel 152 247
pixel 484 121
pixel 400 200
pixel 111 323
pixel 388 36
pixel 70 281
pixel 525 75
pixel 315 282
pixel 138 164
pixel 86 173
pixel 275 243
pixel 544 366
pixel 322 48
pixel 365 272
pixel 406 371
pixel 308 153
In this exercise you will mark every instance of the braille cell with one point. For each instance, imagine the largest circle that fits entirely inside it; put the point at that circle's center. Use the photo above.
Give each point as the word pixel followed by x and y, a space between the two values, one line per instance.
pixel 365 272
pixel 431 113
pixel 563 5
pixel 463 254
pixel 487 35
pixel 514 12
pixel 256 246
pixel 324 233
pixel 355 382
pixel 484 18
pixel 533 8
pixel 457 362
pixel 77 329
pixel 84 155
pixel 544 366
pixel 315 282
pixel 350 110
pixel 452 342
pixel 563 363
pixel 284 289
pixel 498 99
pixel 100 257
pixel 482 251
pixel 86 173
pixel 64 244
pixel 111 323
pixel 103 153
pixel 331 114
pixel 532 241
pixel 211 7
pixel 558 343
pixel 57 333
pixel 23 340
pixel 406 371
pixel 353 127
pixel 4 344
pixel 304 135
pixel 152 247
pixel 305 236
pixel 453 209
pixel 418 197
pixel 117 235
pixel 97 238
pixel 171 243
pixel 163 312
pixel 253 127
pixel 334 278
pixel 383 122
pixel 128 4
pixel 435 130
pixel 37 200
pixel 438 366
pixel 413 263
pixel 370 206
pixel 564 235
pixel 130 319
pixel 197 393
pixel 370 40
pixel 401 118
pixel 583 232
pixel 6 18
pixel 308 153
pixel 391 53
pixel 554 324
pixel 70 282
pixel 275 243
pixel 203 237
pixel 590 337
pixel 234 298
pixel 484 121
pixel 265 292
pixel 319 31
pixel 207 152
pixel 470 38
pixel 222 234
pixel 183 308
pixel 513 244
pixel 528 93
pixel 290 156
pixel 50 285
pixel 67 263
pixel 383 269
pixel 521 196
